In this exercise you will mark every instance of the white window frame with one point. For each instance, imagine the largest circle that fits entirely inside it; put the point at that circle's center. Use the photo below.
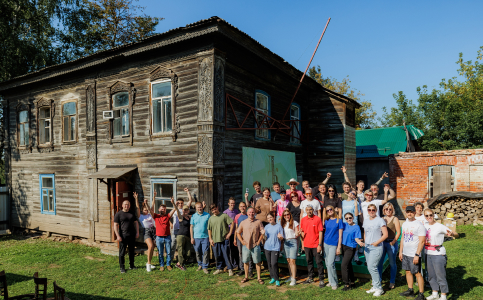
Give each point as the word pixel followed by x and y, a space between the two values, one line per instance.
pixel 163 113
pixel 164 200
pixel 42 129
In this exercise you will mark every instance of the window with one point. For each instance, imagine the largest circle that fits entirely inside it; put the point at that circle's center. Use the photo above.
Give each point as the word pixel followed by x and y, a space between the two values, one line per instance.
pixel 44 125
pixel 120 104
pixel 441 180
pixel 69 112
pixel 165 189
pixel 47 193
pixel 262 104
pixel 23 128
pixel 161 102
pixel 295 123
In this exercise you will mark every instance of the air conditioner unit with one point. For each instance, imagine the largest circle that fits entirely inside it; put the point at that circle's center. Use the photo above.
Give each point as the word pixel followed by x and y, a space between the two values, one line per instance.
pixel 108 114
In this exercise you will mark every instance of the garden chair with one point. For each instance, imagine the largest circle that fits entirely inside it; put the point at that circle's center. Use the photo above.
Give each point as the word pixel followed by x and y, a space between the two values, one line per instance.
pixel 4 290
pixel 40 287
pixel 59 293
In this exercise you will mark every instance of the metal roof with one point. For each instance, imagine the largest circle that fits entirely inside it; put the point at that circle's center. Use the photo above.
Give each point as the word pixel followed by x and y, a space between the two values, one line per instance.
pixel 381 142
pixel 112 172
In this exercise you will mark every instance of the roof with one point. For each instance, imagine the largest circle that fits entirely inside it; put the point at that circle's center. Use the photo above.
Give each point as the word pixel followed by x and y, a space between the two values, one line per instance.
pixel 382 142
pixel 112 172
pixel 172 36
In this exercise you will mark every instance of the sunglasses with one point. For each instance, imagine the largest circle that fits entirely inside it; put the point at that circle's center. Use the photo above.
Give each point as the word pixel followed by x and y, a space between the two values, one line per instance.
pixel 388 209
pixel 294 196
pixel 429 216
pixel 371 210
pixel 308 193
pixel 293 184
pixel 349 218
pixel 330 209
pixel 331 191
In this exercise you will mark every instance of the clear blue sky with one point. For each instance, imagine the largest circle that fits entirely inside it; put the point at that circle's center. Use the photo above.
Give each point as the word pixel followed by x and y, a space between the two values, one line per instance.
pixel 384 46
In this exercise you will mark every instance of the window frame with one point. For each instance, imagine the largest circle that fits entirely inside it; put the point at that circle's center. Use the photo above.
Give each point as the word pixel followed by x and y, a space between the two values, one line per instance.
pixel 162 180
pixel 119 87
pixel 294 140
pixel 151 102
pixel 43 104
pixel 268 112
pixel 121 109
pixel 21 107
pixel 47 212
pixel 76 115
pixel 431 178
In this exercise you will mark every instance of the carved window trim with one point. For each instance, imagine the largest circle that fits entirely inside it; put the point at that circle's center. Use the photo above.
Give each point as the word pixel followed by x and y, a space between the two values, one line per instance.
pixel 20 108
pixel 121 87
pixel 158 75
pixel 266 111
pixel 44 103
pixel 69 142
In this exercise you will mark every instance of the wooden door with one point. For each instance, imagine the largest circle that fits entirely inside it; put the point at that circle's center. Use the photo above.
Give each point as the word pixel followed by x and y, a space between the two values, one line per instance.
pixel 441 180
pixel 123 192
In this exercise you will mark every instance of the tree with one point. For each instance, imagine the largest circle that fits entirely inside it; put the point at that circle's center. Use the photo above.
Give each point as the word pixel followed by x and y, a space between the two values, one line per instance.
pixel 365 115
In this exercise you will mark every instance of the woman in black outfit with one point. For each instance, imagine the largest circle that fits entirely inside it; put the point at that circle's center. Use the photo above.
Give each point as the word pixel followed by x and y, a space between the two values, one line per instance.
pixel 333 200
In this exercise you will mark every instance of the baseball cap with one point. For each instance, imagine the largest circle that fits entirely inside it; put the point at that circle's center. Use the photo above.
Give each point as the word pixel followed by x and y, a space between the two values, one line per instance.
pixel 411 208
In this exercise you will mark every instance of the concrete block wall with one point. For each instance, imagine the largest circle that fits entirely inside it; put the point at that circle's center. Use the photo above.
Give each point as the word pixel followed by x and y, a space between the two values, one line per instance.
pixel 409 172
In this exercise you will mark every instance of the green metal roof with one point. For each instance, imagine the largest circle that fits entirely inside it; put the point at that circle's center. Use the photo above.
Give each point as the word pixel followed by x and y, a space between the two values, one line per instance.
pixel 382 142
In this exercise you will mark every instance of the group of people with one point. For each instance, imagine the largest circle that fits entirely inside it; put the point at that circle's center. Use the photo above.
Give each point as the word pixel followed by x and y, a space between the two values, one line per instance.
pixel 323 224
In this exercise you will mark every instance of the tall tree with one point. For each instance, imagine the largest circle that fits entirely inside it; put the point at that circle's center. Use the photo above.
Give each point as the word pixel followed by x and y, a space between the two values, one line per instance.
pixel 365 115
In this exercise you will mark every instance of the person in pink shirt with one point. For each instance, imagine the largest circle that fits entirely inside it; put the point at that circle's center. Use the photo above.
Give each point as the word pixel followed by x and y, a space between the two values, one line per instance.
pixel 281 205
pixel 293 188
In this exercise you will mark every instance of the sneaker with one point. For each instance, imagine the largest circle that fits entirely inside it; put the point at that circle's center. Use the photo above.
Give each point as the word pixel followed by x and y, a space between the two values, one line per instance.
pixel 161 268
pixel 321 283
pixel 206 271
pixel 199 268
pixel 420 296
pixel 123 270
pixel 288 280
pixel 378 292
pixel 217 272
pixel 148 267
pixel 433 297
pixel 277 283
pixel 271 281
pixel 407 293
pixel 132 268
pixel 169 268
pixel 334 287
pixel 230 273
pixel 372 290
pixel 293 282
pixel 443 297
pixel 308 281
pixel 241 273
pixel 178 266
pixel 152 267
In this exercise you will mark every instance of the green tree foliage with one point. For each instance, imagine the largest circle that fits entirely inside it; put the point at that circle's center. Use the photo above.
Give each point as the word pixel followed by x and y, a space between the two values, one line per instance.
pixel 365 115
pixel 451 117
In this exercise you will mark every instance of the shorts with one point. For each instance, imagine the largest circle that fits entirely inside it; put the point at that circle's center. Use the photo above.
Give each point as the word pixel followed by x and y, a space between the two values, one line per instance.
pixel 255 253
pixel 150 233
pixel 290 247
pixel 408 265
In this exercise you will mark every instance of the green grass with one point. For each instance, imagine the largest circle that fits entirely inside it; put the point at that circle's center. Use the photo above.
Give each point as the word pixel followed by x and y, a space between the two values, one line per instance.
pixel 99 278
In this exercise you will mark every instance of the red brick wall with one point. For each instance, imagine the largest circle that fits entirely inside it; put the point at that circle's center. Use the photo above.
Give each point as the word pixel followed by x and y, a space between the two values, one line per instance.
pixel 409 172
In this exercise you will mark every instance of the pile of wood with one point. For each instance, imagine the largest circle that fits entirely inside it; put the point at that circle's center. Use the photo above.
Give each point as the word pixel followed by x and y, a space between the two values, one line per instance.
pixel 465 210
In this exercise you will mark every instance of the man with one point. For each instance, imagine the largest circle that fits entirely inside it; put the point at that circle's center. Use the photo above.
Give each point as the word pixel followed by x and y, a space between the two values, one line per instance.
pixel 412 243
pixel 175 220
pixel 276 191
pixel 293 188
pixel 346 186
pixel 250 234
pixel 163 232
pixel 242 216
pixel 127 222
pixel 315 190
pixel 310 201
pixel 232 212
pixel 219 232
pixel 200 237
pixel 311 227
pixel 258 194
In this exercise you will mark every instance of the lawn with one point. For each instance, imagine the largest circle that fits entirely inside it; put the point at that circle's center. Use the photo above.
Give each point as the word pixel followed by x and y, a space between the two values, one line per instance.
pixel 85 273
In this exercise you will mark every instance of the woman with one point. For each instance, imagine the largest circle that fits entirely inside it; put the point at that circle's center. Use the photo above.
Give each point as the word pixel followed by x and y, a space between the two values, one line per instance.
pixel 274 235
pixel 333 228
pixel 148 224
pixel 419 212
pixel 351 237
pixel 390 245
pixel 333 200
pixel 183 238
pixel 281 205
pixel 294 208
pixel 264 206
pixel 292 233
pixel 436 255
pixel 351 205
pixel 375 232
pixel 370 200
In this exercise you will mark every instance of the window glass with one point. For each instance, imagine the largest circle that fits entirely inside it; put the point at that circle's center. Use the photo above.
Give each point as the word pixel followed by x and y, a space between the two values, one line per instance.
pixel 69 108
pixel 47 182
pixel 23 116
pixel 262 101
pixel 121 99
pixel 157 116
pixel 162 89
pixel 45 113
pixel 22 134
pixel 125 121
pixel 66 128
pixel 167 115
pixel 72 128
pixel 163 190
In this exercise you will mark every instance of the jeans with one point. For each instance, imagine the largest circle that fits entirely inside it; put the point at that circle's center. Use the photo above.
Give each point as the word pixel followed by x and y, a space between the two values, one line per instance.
pixel 240 252
pixel 373 256
pixel 310 253
pixel 127 242
pixel 184 248
pixel 391 252
pixel 330 251
pixel 346 265
pixel 222 255
pixel 202 247
pixel 437 272
pixel 164 242
pixel 174 234
pixel 272 261
pixel 234 253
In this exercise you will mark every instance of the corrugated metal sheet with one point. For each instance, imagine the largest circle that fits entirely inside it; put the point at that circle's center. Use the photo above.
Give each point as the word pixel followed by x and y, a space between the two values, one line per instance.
pixel 3 206
pixel 381 142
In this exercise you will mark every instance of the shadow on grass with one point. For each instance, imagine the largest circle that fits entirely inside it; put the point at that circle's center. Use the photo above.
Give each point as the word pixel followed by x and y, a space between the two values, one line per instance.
pixel 17 237
pixel 459 286
pixel 15 278
pixel 78 296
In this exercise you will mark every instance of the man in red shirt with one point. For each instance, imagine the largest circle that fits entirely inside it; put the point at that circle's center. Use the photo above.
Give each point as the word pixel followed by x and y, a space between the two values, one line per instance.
pixel 163 232
pixel 311 226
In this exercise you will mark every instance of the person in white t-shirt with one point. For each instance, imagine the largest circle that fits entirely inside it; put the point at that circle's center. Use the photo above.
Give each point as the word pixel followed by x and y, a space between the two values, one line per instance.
pixel 419 216
pixel 436 255
pixel 148 224
pixel 369 200
pixel 292 233
pixel 412 243
pixel 310 201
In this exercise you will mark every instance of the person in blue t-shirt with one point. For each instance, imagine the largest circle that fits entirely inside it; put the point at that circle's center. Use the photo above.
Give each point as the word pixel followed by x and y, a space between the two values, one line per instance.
pixel 274 236
pixel 351 237
pixel 333 228
pixel 351 205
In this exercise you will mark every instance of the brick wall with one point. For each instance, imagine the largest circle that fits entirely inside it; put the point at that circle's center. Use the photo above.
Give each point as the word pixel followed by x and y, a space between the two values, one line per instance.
pixel 409 172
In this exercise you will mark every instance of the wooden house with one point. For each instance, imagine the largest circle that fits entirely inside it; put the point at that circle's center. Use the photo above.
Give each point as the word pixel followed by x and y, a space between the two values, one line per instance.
pixel 168 112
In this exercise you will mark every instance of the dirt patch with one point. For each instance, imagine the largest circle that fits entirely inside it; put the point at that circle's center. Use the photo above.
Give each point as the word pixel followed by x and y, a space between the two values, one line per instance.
pixel 162 281
pixel 240 295
pixel 54 266
pixel 280 289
